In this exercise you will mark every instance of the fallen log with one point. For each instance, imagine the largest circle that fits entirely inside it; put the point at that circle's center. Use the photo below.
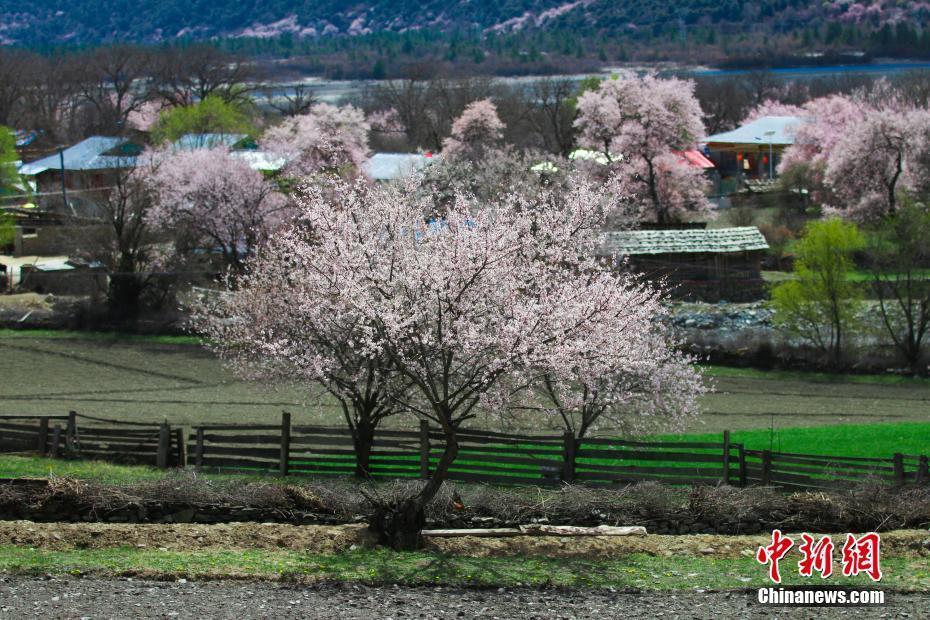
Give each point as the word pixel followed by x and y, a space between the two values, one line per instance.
pixel 538 529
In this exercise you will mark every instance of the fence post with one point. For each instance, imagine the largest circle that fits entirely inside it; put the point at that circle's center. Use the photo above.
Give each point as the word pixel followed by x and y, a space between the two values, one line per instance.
pixel 923 471
pixel 43 435
pixel 164 443
pixel 56 441
pixel 726 457
pixel 198 450
pixel 742 466
pixel 70 432
pixel 424 449
pixel 284 458
pixel 182 451
pixel 898 463
pixel 766 467
pixel 568 454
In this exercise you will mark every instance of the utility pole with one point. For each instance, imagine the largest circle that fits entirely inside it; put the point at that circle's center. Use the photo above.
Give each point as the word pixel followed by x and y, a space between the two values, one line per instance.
pixel 771 161
pixel 64 190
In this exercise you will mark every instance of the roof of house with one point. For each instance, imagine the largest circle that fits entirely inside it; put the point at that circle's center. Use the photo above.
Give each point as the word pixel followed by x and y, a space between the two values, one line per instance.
pixel 696 159
pixel 757 132
pixel 392 166
pixel 192 141
pixel 261 160
pixel 682 241
pixel 88 154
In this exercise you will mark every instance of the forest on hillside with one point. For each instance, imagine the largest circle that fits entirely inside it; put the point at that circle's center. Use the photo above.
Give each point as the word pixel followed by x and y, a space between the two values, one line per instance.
pixel 378 38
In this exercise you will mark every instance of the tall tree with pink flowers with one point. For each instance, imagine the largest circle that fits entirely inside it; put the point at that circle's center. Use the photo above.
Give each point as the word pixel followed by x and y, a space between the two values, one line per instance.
pixel 645 121
pixel 211 199
pixel 459 309
pixel 326 139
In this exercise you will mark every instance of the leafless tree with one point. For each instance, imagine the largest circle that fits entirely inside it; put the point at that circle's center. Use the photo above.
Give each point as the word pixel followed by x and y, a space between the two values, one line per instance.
pixel 125 244
pixel 16 71
pixel 110 80
pixel 183 76
pixel 724 101
pixel 50 103
pixel 291 101
pixel 552 114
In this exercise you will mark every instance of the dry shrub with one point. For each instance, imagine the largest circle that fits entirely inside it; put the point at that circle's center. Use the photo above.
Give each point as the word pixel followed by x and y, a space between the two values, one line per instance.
pixel 725 504
pixel 743 215
pixel 869 505
pixel 778 237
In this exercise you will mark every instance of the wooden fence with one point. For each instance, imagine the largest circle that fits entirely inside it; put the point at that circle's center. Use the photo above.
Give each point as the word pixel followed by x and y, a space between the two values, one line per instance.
pixel 125 443
pixel 484 456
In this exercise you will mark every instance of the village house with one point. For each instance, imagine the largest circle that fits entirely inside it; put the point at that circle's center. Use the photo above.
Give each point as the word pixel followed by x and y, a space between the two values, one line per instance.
pixel 87 168
pixel 752 151
pixel 699 264
pixel 239 145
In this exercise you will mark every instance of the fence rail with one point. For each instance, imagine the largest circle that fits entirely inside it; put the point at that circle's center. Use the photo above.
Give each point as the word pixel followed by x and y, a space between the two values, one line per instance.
pixel 62 436
pixel 483 456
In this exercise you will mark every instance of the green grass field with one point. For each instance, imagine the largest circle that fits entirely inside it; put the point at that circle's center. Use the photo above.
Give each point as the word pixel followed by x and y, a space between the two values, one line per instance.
pixel 875 440
pixel 640 571
pixel 871 440
pixel 157 378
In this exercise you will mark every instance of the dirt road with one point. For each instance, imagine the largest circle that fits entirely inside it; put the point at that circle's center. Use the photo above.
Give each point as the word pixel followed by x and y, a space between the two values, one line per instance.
pixel 25 597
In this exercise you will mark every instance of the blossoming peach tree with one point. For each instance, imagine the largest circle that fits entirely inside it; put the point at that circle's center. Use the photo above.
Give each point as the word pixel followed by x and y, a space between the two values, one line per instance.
pixel 448 315
pixel 647 122
pixel 207 198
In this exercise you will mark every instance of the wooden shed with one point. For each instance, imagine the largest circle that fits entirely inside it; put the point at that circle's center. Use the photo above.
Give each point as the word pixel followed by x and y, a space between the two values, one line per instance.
pixel 698 264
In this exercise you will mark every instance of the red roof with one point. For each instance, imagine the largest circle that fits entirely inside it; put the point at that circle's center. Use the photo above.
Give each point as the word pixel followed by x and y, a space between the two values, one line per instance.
pixel 696 159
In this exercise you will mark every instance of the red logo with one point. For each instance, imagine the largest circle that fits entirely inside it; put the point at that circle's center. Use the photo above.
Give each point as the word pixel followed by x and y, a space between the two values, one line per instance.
pixel 817 556
pixel 773 553
pixel 861 555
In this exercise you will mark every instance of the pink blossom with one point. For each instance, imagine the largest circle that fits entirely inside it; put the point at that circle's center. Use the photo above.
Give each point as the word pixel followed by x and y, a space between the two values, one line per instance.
pixel 462 309
pixel 386 121
pixel 143 118
pixel 647 119
pixel 771 107
pixel 887 154
pixel 212 199
pixel 327 138
pixel 475 132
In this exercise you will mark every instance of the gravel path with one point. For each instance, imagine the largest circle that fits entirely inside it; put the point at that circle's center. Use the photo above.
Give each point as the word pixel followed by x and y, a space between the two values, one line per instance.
pixel 23 597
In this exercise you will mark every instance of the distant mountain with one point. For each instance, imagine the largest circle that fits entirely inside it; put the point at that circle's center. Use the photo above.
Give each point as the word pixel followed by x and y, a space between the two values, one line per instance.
pixel 94 21
pixel 732 26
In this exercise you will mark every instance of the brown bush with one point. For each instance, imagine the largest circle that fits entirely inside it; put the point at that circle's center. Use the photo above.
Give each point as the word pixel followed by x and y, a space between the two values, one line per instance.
pixel 869 505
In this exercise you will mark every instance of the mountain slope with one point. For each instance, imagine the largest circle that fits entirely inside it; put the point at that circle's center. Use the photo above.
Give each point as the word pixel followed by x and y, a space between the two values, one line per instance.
pixel 49 22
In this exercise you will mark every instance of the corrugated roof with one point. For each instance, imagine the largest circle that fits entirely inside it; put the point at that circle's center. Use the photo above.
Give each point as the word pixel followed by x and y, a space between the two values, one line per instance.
pixel 755 132
pixel 193 141
pixel 85 155
pixel 677 241
pixel 392 166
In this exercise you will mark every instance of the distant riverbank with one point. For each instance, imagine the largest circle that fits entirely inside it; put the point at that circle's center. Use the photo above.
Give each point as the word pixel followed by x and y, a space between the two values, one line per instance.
pixel 338 91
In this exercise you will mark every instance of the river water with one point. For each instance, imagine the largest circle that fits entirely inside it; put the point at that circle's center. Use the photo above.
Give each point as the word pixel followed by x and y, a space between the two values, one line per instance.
pixel 339 91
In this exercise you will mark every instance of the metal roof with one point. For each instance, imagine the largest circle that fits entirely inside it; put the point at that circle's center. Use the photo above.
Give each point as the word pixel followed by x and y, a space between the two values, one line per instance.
pixel 193 141
pixel 261 160
pixel 680 241
pixel 85 155
pixel 782 128
pixel 392 166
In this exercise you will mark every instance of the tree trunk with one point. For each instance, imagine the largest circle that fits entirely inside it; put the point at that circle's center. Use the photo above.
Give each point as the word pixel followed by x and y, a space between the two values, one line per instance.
pixel 661 216
pixel 398 523
pixel 363 437
pixel 125 289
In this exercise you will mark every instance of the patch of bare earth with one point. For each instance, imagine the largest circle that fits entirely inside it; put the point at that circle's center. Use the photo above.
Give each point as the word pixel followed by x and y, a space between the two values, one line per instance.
pixel 331 539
